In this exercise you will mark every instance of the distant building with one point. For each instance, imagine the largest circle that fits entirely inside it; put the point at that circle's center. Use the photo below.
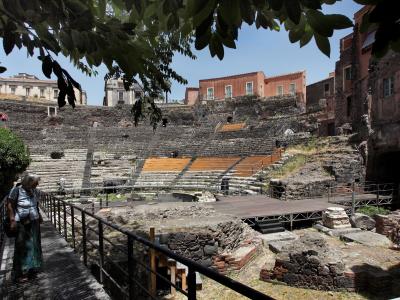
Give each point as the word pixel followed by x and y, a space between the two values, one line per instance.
pixel 248 84
pixel 115 93
pixel 30 88
pixel 321 98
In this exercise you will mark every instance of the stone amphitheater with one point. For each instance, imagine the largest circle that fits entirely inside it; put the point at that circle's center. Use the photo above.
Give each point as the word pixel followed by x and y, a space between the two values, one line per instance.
pixel 93 146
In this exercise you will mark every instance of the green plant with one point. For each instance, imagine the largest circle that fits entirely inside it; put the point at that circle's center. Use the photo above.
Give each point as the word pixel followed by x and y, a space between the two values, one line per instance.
pixel 292 164
pixel 373 210
pixel 14 159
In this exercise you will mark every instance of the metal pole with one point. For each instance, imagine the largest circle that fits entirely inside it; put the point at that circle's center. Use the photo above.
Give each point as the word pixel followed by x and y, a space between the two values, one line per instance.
pixel 291 222
pixel 65 221
pixel 73 226
pixel 191 282
pixel 353 200
pixel 131 286
pixel 101 251
pixel 153 281
pixel 59 215
pixel 54 213
pixel 84 238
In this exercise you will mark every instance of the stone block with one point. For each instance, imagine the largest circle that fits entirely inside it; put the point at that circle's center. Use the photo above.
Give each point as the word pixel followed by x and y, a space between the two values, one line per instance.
pixel 362 221
pixel 367 238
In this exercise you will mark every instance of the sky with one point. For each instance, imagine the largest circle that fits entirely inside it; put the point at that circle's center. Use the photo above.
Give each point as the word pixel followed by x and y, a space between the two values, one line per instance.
pixel 256 50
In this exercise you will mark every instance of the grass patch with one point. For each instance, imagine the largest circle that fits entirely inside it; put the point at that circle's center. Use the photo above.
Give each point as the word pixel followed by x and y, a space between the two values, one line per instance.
pixel 373 210
pixel 113 197
pixel 291 165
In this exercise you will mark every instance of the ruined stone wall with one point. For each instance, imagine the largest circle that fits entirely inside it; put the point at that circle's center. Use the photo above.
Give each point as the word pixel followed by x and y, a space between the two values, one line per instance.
pixel 309 263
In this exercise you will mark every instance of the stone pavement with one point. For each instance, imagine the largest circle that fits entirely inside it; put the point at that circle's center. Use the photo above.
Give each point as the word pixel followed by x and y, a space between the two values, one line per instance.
pixel 63 277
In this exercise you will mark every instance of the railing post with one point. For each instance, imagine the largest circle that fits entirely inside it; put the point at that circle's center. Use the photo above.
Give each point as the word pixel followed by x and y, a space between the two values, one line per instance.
pixel 59 215
pixel 153 280
pixel 131 286
pixel 54 212
pixel 84 250
pixel 65 221
pixel 377 193
pixel 106 199
pixel 191 283
pixel 101 251
pixel 353 200
pixel 101 202
pixel 73 226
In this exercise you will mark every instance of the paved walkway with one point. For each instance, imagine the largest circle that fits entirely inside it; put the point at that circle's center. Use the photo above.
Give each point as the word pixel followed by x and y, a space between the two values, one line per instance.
pixel 64 276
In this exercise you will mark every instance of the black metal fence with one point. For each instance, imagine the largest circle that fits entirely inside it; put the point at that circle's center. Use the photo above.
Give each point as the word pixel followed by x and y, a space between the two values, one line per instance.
pixel 3 212
pixel 76 224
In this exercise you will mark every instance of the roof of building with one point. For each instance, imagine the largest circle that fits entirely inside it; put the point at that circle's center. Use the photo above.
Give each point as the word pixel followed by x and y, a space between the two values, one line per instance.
pixel 234 76
pixel 286 74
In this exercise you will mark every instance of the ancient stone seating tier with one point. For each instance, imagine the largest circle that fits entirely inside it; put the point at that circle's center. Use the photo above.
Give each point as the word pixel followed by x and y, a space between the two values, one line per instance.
pixel 155 164
pixel 251 165
pixel 160 171
pixel 111 165
pixel 70 167
pixel 213 163
pixel 231 127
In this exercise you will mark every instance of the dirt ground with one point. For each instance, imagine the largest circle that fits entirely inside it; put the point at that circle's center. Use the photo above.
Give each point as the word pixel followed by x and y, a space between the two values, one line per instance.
pixel 354 254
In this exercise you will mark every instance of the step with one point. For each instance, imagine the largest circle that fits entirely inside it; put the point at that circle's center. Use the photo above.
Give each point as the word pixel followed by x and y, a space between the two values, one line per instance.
pixel 272 230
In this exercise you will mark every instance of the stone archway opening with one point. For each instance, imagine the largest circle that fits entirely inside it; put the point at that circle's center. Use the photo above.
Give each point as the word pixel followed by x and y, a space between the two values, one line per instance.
pixel 385 168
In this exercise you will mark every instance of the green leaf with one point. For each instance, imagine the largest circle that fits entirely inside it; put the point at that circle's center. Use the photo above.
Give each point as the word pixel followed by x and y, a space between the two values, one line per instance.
pixel 293 10
pixel 307 36
pixel 203 40
pixel 338 21
pixel 47 66
pixel 8 42
pixel 216 47
pixel 323 44
pixel 318 23
pixel 2 69
pixel 230 12
pixel 247 12
pixel 206 11
pixel 275 4
pixel 313 4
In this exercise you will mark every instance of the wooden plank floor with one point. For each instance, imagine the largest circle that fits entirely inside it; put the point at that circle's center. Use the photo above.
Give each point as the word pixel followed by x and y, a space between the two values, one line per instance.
pixel 63 277
pixel 250 206
pixel 264 206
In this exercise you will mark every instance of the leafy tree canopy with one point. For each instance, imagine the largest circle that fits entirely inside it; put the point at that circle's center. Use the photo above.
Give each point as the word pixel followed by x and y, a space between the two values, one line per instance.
pixel 138 38
pixel 14 159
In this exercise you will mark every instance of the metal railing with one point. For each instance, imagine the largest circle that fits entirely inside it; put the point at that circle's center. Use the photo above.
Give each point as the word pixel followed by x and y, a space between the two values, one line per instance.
pixel 3 212
pixel 354 194
pixel 75 224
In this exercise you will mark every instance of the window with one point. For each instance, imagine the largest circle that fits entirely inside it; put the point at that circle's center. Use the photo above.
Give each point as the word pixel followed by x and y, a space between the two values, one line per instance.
pixel 249 88
pixel 292 89
pixel 120 96
pixel 388 86
pixel 210 93
pixel 41 93
pixel 347 73
pixel 228 91
pixel 12 90
pixel 55 94
pixel 27 91
pixel 326 89
pixel 279 90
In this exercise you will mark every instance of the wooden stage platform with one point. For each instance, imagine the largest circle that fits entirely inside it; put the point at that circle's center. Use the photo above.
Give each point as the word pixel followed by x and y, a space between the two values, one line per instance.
pixel 260 207
pixel 252 206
